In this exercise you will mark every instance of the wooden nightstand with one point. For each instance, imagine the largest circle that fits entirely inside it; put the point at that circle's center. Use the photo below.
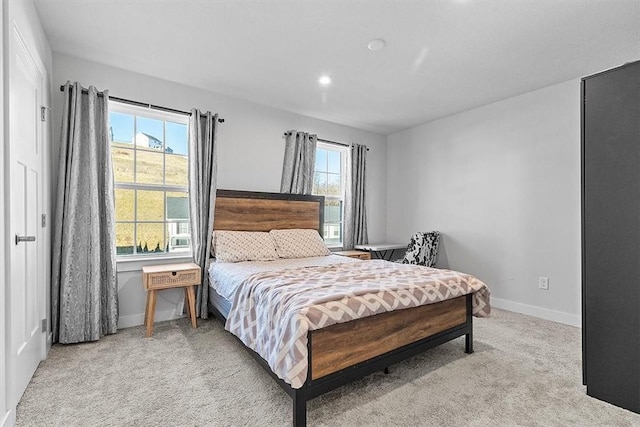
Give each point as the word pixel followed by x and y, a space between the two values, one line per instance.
pixel 354 254
pixel 158 277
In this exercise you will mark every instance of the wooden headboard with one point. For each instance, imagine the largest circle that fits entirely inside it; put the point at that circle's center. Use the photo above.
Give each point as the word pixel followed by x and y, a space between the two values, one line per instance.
pixel 257 211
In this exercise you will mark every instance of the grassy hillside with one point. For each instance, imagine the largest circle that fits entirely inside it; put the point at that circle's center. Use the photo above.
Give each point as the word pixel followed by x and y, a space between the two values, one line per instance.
pixel 150 204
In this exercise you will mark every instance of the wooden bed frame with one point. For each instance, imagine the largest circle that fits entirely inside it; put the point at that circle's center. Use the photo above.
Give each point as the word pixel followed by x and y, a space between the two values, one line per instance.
pixel 344 352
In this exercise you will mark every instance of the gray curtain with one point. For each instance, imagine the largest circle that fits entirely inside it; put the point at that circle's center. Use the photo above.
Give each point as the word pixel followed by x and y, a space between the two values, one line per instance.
pixel 203 128
pixel 84 288
pixel 299 163
pixel 355 214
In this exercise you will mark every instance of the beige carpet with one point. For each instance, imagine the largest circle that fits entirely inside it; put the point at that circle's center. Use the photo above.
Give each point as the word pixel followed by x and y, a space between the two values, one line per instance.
pixel 525 371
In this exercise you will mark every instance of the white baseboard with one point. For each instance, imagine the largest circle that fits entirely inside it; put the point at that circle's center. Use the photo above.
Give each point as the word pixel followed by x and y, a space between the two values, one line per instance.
pixel 138 319
pixel 543 313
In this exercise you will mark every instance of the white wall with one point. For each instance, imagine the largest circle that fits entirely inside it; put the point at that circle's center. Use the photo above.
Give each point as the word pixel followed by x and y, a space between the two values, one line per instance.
pixel 502 183
pixel 250 152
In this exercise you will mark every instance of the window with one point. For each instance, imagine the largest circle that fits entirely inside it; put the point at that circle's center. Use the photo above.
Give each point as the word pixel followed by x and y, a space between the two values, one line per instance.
pixel 329 181
pixel 149 150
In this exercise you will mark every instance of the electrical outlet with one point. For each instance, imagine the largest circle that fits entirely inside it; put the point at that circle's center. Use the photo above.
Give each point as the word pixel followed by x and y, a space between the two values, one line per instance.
pixel 543 283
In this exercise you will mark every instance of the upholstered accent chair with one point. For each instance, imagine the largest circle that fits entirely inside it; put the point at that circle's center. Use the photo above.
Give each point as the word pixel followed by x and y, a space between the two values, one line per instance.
pixel 422 249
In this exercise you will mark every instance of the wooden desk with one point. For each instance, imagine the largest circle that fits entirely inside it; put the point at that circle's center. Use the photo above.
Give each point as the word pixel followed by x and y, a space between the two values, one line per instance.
pixel 381 250
pixel 167 276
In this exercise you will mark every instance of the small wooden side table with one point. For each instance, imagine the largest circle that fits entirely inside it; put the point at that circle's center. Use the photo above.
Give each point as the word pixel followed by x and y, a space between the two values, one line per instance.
pixel 158 277
pixel 354 254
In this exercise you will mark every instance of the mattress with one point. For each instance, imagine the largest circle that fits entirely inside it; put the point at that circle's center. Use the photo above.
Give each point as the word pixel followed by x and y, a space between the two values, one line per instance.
pixel 226 277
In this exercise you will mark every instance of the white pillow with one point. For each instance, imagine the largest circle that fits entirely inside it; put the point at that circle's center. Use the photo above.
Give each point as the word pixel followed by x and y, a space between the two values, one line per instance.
pixel 298 243
pixel 236 246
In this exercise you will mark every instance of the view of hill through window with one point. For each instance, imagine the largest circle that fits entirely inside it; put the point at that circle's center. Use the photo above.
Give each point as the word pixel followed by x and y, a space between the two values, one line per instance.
pixel 150 162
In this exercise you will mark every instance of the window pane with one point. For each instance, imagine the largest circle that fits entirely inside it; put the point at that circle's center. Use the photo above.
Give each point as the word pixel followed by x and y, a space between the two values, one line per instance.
pixel 319 183
pixel 121 128
pixel 333 221
pixel 333 185
pixel 150 237
pixel 333 234
pixel 177 206
pixel 334 165
pixel 149 133
pixel 179 237
pixel 321 160
pixel 178 232
pixel 176 170
pixel 122 163
pixel 149 167
pixel 177 138
pixel 150 205
pixel 124 204
pixel 124 239
pixel 332 211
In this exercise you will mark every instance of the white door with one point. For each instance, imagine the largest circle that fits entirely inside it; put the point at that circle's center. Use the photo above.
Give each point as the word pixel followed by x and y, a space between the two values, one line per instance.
pixel 25 288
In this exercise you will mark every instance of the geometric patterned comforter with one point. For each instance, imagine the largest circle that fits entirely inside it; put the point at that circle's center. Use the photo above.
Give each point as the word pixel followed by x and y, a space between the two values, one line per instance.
pixel 272 311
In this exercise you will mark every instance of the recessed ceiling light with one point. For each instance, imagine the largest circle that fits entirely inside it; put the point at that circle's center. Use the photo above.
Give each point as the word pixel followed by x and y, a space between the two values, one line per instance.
pixel 324 80
pixel 376 44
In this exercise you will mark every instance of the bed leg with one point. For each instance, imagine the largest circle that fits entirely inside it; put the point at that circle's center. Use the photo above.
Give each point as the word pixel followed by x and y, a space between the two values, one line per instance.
pixel 299 409
pixel 468 343
pixel 468 338
pixel 386 370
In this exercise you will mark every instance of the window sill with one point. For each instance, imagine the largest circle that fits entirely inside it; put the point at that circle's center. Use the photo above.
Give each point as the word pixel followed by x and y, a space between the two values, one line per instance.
pixel 135 263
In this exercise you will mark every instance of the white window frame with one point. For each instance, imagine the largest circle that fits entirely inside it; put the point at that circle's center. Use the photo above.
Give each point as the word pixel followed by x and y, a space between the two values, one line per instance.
pixel 118 107
pixel 345 152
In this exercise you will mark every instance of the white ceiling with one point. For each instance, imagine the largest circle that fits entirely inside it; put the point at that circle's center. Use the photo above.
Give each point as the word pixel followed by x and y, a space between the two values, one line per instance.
pixel 441 57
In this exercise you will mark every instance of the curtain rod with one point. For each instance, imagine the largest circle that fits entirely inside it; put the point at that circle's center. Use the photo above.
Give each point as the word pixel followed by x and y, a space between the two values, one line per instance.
pixel 329 142
pixel 142 104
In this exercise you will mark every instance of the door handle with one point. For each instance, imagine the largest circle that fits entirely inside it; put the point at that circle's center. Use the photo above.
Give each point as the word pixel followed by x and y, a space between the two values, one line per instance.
pixel 20 238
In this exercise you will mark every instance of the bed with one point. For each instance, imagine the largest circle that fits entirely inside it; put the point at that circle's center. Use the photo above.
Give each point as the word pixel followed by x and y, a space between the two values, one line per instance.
pixel 334 352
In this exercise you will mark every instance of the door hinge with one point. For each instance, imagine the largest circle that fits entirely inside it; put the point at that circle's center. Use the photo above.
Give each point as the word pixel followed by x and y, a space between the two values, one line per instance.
pixel 43 326
pixel 44 220
pixel 43 113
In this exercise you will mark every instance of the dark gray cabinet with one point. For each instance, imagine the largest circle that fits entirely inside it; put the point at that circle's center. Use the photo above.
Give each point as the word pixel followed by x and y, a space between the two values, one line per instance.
pixel 611 235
